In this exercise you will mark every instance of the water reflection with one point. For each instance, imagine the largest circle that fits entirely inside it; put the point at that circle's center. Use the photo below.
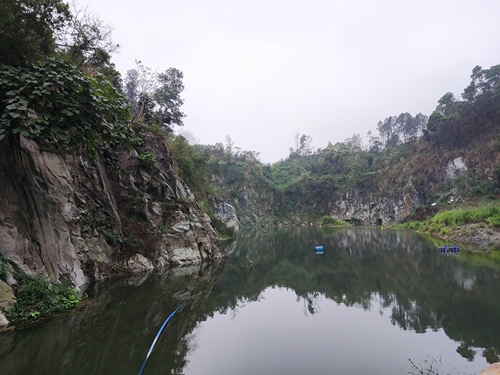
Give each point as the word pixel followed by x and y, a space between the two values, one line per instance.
pixel 113 335
pixel 390 278
pixel 278 335
pixel 423 290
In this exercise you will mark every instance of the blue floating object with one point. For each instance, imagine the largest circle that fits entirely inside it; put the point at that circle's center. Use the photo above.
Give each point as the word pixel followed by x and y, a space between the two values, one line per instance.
pixel 446 250
pixel 319 248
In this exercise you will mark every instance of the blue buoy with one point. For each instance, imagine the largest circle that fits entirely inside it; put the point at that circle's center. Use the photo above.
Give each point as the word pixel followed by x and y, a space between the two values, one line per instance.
pixel 319 249
pixel 445 250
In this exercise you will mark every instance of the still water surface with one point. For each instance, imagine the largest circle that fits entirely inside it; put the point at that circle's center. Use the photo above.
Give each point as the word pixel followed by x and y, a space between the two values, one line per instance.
pixel 373 301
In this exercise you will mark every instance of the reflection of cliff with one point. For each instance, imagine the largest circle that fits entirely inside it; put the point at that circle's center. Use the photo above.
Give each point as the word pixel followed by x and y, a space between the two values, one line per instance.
pixel 395 271
pixel 125 319
pixel 398 270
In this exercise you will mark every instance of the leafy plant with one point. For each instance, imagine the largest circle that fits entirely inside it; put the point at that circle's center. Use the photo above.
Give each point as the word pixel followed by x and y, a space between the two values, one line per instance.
pixel 53 102
pixel 37 296
pixel 147 158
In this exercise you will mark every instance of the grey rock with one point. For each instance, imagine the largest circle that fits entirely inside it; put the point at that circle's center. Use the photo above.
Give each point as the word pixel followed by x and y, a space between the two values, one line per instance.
pixel 227 214
pixel 3 321
pixel 139 264
pixel 7 297
pixel 49 222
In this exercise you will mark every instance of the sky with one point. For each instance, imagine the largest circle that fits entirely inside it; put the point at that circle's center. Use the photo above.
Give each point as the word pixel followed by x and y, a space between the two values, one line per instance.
pixel 261 71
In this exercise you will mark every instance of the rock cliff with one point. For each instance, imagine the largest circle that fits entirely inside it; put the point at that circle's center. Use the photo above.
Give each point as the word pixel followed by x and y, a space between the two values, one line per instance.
pixel 71 217
pixel 368 207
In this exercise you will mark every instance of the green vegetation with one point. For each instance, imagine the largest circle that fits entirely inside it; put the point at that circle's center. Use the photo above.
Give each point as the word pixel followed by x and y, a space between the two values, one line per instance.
pixel 29 28
pixel 36 295
pixel 490 215
pixel 444 222
pixel 331 221
pixel 111 238
pixel 55 103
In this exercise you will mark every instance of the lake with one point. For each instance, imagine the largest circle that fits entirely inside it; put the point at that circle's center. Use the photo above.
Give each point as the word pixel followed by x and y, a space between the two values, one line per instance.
pixel 375 302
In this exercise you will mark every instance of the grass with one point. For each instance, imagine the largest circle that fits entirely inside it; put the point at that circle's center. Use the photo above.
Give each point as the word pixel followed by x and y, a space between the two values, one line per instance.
pixel 442 222
pixel 331 221
pixel 462 216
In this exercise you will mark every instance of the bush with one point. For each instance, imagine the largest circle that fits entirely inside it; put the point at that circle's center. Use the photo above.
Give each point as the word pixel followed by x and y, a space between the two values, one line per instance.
pixel 36 296
pixel 54 102
pixel 331 221
pixel 494 221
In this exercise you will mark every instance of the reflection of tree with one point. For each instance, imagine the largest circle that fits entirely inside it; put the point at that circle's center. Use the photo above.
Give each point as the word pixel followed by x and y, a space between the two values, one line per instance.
pixel 311 303
pixel 396 270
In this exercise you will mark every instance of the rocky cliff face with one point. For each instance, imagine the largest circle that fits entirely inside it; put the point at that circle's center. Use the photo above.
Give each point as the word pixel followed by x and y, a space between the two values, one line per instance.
pixel 71 217
pixel 370 207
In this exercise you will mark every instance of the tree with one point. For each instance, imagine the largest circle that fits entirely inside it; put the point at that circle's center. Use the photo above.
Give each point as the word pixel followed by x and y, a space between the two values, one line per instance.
pixel 229 146
pixel 147 109
pixel 446 105
pixel 189 136
pixel 305 145
pixel 374 144
pixel 131 89
pixel 86 40
pixel 28 29
pixel 355 142
pixel 167 96
pixel 155 98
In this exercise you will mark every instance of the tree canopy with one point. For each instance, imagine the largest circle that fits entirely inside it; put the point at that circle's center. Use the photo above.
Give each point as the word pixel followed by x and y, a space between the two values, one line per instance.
pixel 28 29
pixel 155 98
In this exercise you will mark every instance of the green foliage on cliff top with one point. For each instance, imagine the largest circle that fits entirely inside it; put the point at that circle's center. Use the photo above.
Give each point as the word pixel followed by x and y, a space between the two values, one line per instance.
pixel 53 102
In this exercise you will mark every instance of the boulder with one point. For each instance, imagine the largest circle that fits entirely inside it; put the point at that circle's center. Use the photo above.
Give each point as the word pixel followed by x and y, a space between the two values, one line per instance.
pixel 227 214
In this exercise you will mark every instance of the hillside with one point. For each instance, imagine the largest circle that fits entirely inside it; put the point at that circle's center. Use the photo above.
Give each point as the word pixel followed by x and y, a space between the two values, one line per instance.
pixel 416 167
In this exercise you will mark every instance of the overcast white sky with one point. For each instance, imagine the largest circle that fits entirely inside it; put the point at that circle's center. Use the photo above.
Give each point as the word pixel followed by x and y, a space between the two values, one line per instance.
pixel 262 70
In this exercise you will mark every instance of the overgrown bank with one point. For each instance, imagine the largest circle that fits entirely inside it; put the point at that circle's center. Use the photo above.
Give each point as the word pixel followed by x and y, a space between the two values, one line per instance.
pixel 478 225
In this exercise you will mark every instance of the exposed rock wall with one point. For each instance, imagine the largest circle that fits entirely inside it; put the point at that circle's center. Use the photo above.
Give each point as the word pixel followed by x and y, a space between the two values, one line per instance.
pixel 370 207
pixel 71 217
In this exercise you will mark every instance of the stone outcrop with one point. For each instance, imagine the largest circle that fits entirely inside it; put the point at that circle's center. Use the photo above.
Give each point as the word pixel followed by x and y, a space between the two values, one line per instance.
pixel 7 300
pixel 227 214
pixel 71 217
pixel 367 207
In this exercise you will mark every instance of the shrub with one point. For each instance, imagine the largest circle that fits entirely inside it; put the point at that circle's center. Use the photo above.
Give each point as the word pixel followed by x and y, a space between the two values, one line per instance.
pixel 54 102
pixel 37 296
pixel 330 220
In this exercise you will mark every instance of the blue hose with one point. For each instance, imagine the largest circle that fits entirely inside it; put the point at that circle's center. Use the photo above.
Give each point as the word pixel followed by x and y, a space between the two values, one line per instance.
pixel 158 336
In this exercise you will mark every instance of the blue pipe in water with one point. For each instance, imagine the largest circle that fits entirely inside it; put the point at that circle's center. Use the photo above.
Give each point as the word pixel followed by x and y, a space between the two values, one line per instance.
pixel 158 336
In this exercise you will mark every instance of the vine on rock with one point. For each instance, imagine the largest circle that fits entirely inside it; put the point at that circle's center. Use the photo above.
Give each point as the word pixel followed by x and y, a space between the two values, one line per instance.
pixel 53 102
